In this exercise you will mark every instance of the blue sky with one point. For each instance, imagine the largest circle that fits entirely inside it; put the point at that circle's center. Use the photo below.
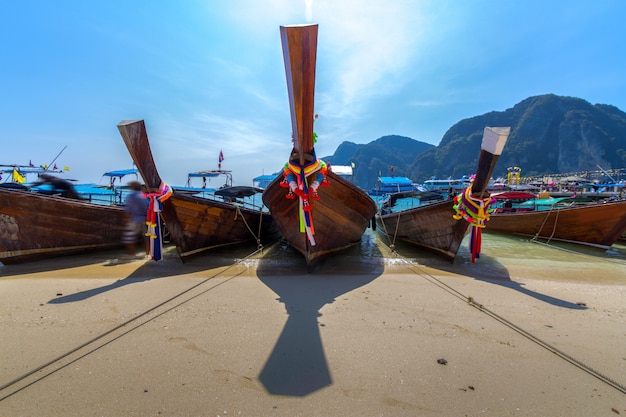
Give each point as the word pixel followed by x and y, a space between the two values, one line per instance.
pixel 209 76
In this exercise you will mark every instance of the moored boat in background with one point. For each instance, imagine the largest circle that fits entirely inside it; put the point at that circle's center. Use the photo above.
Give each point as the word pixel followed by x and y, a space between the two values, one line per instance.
pixel 318 212
pixel 598 224
pixel 35 226
pixel 432 226
pixel 448 185
pixel 393 184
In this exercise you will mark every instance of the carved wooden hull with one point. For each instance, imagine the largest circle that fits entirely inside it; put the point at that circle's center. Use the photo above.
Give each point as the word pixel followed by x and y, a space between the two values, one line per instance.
pixel 197 224
pixel 598 225
pixel 36 226
pixel 429 227
pixel 432 226
pixel 340 217
pixel 343 210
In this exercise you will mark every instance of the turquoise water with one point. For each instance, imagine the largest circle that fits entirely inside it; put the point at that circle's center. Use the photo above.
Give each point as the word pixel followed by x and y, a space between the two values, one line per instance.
pixel 502 257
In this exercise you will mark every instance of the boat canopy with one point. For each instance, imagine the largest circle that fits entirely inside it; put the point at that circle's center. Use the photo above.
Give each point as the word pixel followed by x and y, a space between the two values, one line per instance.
pixel 269 178
pixel 513 195
pixel 120 173
pixel 238 191
pixel 552 201
pixel 393 180
pixel 29 170
pixel 342 170
pixel 210 173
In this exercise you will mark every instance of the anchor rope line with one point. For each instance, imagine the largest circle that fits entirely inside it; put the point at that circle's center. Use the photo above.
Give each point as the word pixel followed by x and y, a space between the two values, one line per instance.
pixel 245 222
pixel 552 246
pixel 390 238
pixel 101 337
pixel 258 239
pixel 544 223
pixel 546 345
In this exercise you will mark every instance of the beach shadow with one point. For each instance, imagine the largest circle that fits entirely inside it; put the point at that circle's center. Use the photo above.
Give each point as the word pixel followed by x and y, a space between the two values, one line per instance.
pixel 297 365
pixel 169 266
pixel 486 269
pixel 492 272
pixel 60 262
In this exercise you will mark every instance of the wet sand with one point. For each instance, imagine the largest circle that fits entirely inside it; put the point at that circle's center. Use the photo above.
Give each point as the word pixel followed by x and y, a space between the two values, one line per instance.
pixel 97 335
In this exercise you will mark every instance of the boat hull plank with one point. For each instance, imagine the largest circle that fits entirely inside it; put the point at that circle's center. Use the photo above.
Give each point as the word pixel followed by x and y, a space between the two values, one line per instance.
pixel 340 217
pixel 343 211
pixel 429 227
pixel 598 225
pixel 196 224
pixel 206 227
pixel 433 226
pixel 36 226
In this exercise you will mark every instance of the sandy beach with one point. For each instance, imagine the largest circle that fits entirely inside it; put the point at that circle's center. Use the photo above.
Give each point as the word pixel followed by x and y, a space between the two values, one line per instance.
pixel 98 335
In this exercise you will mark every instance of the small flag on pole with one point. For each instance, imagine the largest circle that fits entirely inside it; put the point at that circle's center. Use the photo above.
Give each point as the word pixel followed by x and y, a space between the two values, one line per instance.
pixel 17 177
pixel 221 158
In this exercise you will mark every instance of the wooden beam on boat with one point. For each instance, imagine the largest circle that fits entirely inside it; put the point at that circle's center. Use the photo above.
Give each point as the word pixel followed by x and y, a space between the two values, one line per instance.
pixel 300 54
pixel 197 224
pixel 136 139
pixel 432 226
pixel 494 139
pixel 339 213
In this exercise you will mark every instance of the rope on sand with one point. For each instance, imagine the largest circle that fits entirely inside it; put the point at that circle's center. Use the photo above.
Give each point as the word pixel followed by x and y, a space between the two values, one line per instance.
pixel 101 337
pixel 552 246
pixel 418 270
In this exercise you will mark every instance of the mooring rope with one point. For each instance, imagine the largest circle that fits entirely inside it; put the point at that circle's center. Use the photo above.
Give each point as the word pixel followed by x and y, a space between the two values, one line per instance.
pixel 120 326
pixel 257 238
pixel 552 246
pixel 544 223
pixel 473 303
pixel 390 238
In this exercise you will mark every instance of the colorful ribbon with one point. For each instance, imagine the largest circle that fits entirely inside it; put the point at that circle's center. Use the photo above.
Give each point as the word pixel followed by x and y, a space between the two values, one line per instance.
pixel 476 212
pixel 153 219
pixel 298 173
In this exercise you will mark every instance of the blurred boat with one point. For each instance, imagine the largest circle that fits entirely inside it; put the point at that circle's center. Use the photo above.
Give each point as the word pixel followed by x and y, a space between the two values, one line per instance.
pixel 574 220
pixel 431 225
pixel 317 211
pixel 35 225
pixel 197 224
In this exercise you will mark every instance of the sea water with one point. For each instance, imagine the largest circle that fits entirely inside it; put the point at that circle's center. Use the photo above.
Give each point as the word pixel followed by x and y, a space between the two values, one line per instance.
pixel 501 257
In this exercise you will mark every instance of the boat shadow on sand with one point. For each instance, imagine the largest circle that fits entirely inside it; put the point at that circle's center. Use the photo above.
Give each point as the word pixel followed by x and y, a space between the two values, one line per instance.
pixel 297 365
pixel 486 269
pixel 169 266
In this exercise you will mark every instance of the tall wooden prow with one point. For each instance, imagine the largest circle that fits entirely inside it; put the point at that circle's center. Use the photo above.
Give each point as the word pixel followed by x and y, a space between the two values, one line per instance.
pixel 494 139
pixel 318 213
pixel 300 54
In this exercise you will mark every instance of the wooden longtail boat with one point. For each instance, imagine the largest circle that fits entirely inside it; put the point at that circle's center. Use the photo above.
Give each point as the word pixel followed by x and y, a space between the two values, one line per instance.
pixel 317 222
pixel 593 224
pixel 432 226
pixel 37 226
pixel 196 224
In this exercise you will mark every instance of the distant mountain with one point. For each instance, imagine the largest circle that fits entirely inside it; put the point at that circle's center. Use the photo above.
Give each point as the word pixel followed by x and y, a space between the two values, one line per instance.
pixel 549 134
pixel 375 158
